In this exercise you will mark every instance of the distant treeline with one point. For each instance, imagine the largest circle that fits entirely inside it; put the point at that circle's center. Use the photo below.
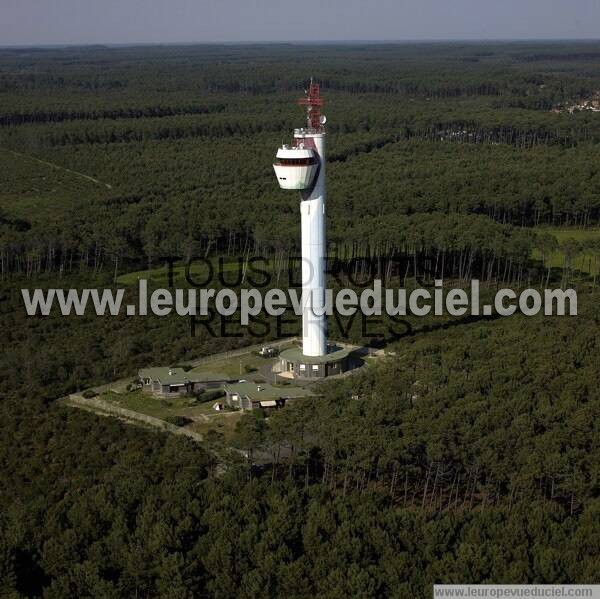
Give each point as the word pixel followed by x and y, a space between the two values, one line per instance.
pixel 123 113
pixel 419 246
pixel 177 123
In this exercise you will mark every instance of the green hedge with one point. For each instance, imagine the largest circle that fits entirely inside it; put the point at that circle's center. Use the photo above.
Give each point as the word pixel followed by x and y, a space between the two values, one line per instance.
pixel 210 395
pixel 178 420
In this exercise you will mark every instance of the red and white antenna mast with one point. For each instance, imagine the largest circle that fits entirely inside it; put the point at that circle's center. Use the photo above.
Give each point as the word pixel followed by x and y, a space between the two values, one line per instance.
pixel 313 103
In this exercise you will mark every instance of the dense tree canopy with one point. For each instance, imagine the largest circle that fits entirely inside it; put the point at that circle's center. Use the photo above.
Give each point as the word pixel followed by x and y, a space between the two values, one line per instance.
pixel 469 454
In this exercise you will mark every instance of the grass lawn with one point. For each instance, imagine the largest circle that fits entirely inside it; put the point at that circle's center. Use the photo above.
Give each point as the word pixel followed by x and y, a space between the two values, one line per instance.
pixel 585 262
pixel 236 367
pixel 221 422
pixel 205 418
pixel 578 234
pixel 199 272
pixel 150 405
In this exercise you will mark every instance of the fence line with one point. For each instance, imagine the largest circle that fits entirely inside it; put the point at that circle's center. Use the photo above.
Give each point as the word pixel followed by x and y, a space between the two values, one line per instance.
pixel 105 406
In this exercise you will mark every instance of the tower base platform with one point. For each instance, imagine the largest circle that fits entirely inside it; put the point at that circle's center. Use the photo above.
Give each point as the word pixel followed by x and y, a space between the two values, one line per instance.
pixel 295 365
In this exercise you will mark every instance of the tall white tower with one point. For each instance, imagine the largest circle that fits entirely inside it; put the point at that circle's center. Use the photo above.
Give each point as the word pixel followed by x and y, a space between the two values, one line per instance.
pixel 314 246
pixel 302 167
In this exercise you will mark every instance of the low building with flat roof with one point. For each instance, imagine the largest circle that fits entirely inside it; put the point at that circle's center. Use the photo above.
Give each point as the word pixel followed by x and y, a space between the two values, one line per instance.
pixel 249 396
pixel 166 381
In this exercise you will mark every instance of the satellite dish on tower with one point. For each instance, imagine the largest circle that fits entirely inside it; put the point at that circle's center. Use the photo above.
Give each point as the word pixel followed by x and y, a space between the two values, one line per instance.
pixel 323 119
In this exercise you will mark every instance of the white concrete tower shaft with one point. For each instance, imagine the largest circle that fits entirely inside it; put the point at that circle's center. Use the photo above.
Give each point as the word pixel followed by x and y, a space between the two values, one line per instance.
pixel 312 210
